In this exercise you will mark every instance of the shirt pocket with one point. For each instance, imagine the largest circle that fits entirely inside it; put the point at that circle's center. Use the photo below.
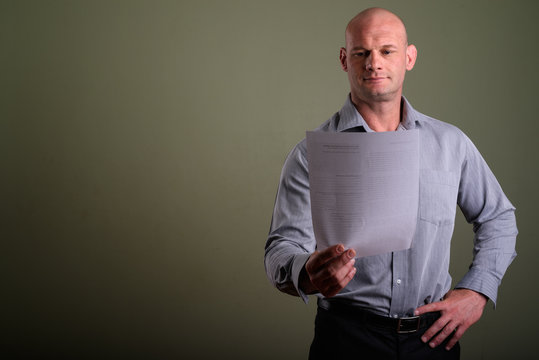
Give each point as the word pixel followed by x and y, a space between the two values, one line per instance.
pixel 438 196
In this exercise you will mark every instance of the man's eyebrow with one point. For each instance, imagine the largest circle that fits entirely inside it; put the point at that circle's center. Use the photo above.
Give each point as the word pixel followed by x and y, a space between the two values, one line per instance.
pixel 392 46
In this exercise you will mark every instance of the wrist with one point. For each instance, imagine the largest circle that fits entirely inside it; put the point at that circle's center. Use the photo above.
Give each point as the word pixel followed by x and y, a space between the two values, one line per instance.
pixel 481 298
pixel 305 283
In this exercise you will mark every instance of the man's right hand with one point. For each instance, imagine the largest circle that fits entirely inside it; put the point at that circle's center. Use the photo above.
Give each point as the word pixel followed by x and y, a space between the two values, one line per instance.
pixel 328 271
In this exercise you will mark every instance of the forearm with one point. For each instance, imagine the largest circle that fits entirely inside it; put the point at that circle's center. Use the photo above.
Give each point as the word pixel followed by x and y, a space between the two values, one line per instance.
pixel 284 262
pixel 494 250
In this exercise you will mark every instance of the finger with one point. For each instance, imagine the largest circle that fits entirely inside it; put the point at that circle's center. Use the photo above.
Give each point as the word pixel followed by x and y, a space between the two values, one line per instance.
pixel 339 265
pixel 456 337
pixel 446 332
pixel 334 273
pixel 432 307
pixel 335 288
pixel 345 273
pixel 332 285
pixel 351 273
pixel 434 329
pixel 318 258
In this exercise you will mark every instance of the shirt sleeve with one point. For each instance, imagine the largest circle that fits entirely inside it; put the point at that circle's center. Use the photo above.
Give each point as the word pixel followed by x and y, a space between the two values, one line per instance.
pixel 291 239
pixel 484 205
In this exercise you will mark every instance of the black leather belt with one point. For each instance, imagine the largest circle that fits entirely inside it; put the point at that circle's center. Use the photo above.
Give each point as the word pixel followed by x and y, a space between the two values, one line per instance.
pixel 402 325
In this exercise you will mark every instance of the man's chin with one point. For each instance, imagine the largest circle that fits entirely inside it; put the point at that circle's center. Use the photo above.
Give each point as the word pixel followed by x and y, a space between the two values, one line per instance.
pixel 380 96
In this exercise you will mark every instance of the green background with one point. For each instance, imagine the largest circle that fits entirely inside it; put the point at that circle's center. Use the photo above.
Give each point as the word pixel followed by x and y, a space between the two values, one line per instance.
pixel 141 144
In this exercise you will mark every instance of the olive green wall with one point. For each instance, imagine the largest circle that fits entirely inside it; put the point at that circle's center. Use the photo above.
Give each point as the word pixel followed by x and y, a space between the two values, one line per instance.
pixel 141 144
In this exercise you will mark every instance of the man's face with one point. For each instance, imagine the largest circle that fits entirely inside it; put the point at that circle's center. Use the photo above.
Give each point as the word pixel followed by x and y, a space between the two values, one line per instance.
pixel 376 58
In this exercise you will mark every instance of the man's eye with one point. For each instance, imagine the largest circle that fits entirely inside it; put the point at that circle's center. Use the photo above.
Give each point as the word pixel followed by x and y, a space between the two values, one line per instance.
pixel 387 52
pixel 362 53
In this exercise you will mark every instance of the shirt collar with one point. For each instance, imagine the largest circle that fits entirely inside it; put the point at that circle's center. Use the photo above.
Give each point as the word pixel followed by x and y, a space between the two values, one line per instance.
pixel 349 117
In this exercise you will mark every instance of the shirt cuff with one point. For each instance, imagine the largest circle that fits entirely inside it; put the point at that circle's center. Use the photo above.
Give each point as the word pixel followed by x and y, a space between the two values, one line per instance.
pixel 480 281
pixel 297 266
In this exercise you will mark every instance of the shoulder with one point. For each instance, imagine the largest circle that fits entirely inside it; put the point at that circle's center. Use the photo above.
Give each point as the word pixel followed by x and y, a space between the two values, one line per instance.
pixel 330 124
pixel 442 131
pixel 299 152
pixel 443 145
pixel 439 126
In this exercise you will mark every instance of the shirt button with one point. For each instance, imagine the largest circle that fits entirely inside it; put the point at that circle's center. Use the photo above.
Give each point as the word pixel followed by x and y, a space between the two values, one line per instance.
pixel 399 281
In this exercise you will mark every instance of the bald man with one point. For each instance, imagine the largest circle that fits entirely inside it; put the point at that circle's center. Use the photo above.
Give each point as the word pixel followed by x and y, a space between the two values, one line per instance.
pixel 397 305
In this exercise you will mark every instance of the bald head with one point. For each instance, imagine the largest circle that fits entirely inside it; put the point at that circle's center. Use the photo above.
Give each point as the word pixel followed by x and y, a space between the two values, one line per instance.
pixel 375 18
pixel 376 57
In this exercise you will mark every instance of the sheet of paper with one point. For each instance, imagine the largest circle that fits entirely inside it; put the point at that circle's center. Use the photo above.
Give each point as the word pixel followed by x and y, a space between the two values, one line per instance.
pixel 364 189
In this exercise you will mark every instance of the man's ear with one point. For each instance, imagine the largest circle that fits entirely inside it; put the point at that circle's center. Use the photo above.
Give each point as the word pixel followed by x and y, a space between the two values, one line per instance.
pixel 342 58
pixel 411 56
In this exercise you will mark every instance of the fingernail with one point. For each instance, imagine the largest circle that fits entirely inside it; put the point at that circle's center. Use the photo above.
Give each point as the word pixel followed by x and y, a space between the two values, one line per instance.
pixel 340 249
pixel 447 348
pixel 424 339
pixel 416 312
pixel 432 345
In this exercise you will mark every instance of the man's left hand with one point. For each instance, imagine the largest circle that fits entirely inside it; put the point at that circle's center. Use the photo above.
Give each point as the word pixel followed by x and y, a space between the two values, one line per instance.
pixel 459 310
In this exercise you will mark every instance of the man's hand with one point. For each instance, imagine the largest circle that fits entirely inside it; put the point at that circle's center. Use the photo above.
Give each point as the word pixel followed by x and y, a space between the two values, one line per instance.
pixel 328 271
pixel 459 309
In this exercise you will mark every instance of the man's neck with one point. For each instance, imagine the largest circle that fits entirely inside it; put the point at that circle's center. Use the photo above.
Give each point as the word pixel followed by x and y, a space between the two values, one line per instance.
pixel 380 116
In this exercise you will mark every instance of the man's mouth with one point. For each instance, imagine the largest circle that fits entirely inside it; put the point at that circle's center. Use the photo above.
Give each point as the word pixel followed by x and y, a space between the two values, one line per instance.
pixel 375 78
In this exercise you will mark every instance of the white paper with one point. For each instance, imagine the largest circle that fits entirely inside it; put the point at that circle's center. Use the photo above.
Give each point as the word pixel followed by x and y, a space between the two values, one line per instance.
pixel 364 189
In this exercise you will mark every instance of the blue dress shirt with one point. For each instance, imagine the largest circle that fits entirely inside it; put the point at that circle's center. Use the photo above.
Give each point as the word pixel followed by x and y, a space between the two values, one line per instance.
pixel 452 172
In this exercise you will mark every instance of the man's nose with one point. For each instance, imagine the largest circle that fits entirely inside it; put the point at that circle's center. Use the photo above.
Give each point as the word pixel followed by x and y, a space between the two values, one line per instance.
pixel 373 61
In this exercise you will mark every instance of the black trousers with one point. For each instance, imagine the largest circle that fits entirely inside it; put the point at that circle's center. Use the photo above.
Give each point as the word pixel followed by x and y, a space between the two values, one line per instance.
pixel 339 335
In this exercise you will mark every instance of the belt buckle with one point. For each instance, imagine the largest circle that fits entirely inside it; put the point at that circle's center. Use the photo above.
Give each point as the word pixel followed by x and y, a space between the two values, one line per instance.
pixel 407 325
